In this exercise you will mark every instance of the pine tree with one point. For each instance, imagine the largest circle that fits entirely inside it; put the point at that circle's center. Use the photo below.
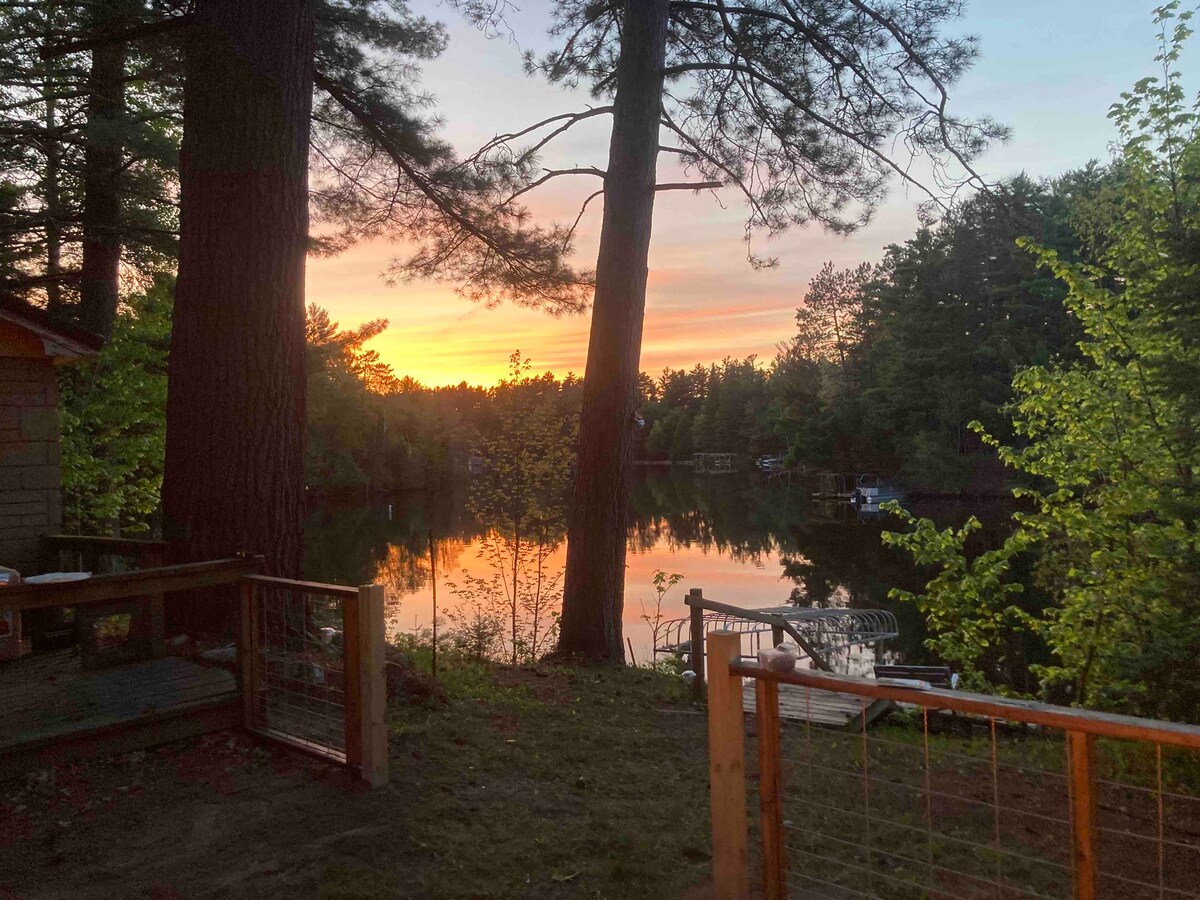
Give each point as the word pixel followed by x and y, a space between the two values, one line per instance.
pixel 792 106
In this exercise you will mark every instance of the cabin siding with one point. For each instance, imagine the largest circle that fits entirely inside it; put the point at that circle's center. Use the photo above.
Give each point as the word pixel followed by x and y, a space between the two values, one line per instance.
pixel 30 475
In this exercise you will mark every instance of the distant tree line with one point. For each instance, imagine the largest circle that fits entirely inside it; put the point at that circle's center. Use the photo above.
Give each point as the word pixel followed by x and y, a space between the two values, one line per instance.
pixel 371 430
pixel 890 362
pixel 888 365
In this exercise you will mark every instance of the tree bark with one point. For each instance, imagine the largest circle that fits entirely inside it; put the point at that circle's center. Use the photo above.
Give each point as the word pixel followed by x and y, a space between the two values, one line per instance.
pixel 100 271
pixel 593 595
pixel 51 190
pixel 234 479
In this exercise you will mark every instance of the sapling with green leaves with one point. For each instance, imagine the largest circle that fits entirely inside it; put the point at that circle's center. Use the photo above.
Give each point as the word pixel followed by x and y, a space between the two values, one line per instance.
pixel 520 497
pixel 1108 446
pixel 654 617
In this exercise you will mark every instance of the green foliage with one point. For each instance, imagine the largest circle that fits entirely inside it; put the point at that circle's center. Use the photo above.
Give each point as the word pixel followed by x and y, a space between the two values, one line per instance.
pixel 890 363
pixel 653 616
pixel 968 605
pixel 113 420
pixel 48 127
pixel 721 408
pixel 520 497
pixel 1109 442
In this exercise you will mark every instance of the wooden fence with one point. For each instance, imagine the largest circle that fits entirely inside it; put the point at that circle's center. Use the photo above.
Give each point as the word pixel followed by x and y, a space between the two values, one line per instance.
pixel 310 657
pixel 847 814
pixel 318 687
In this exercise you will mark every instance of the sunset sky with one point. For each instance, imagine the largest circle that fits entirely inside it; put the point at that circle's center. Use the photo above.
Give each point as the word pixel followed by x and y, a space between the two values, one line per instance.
pixel 1050 69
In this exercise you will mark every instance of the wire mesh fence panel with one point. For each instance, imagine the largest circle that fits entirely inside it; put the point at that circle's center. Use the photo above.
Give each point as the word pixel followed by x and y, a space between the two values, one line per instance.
pixel 1148 820
pixel 931 805
pixel 298 677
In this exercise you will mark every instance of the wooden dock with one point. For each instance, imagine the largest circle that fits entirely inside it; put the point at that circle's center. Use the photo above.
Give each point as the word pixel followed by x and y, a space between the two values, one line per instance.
pixel 51 708
pixel 797 704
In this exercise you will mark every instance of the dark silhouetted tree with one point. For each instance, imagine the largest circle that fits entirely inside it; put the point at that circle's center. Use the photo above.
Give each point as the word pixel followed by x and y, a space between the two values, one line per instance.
pixel 795 106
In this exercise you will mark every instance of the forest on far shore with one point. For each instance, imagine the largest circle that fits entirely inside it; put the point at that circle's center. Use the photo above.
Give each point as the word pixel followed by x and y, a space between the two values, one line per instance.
pixel 888 364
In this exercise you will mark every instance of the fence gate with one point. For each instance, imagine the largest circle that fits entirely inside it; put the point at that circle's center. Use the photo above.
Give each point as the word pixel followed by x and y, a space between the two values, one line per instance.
pixel 312 669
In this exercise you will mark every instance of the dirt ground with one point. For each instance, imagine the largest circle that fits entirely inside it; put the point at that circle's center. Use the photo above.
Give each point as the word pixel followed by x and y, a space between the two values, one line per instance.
pixel 553 783
pixel 523 784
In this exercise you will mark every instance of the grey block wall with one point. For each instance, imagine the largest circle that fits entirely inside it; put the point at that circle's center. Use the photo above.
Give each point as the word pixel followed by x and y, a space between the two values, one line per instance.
pixel 30 478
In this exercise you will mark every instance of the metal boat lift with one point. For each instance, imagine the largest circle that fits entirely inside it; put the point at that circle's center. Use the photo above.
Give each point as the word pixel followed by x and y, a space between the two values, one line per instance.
pixel 818 632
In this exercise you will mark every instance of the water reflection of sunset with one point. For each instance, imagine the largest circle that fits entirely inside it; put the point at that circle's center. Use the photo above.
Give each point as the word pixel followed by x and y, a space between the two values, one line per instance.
pixel 740 539
pixel 410 594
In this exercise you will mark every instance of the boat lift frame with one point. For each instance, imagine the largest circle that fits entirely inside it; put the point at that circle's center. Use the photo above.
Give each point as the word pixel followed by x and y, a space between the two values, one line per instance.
pixel 818 632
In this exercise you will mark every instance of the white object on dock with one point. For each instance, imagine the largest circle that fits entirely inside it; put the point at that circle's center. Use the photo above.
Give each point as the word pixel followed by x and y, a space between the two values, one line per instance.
pixel 780 659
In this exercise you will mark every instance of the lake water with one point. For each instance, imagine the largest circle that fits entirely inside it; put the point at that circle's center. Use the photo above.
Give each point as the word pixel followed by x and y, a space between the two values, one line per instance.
pixel 742 539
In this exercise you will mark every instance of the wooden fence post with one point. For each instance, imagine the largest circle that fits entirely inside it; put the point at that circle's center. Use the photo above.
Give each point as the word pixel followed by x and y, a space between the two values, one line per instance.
pixel 770 789
pixel 373 685
pixel 248 652
pixel 1081 749
pixel 727 770
pixel 154 608
pixel 696 651
pixel 352 678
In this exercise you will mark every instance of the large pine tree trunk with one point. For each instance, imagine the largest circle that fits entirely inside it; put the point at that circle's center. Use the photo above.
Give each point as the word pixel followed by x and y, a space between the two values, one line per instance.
pixel 51 198
pixel 236 388
pixel 100 271
pixel 593 598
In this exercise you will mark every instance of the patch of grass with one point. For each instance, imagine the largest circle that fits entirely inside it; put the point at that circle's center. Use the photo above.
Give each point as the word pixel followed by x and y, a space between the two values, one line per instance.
pixel 554 782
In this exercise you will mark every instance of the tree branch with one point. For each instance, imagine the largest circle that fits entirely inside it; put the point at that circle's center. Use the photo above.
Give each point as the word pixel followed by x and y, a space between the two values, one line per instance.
pixel 569 119
pixel 689 186
pixel 785 93
pixel 105 36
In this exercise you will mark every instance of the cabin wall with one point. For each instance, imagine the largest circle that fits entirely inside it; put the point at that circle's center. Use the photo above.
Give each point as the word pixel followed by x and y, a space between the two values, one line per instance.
pixel 30 477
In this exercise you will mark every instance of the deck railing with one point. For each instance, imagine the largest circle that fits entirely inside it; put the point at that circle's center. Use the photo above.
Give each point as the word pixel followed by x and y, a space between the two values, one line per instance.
pixel 310 657
pixel 1039 801
pixel 312 669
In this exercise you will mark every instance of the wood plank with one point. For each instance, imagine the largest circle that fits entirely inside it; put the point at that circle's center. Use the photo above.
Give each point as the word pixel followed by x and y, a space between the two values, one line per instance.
pixel 70 700
pixel 770 790
pixel 821 708
pixel 106 588
pixel 200 718
pixel 317 750
pixel 1028 711
pixel 69 710
pixel 373 685
pixel 109 546
pixel 352 680
pixel 248 652
pixel 1082 751
pixel 66 729
pixel 315 588
pixel 696 647
pixel 726 766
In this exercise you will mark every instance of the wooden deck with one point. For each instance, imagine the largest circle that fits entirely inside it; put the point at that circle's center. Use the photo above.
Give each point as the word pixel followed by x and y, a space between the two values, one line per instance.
pixel 51 708
pixel 797 704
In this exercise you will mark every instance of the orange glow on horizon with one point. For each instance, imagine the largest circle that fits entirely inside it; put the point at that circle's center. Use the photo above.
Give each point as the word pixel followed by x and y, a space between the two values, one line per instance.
pixel 440 338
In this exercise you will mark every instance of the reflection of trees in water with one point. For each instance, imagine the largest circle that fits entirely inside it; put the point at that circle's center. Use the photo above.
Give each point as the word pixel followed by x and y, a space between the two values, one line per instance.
pixel 832 556
pixel 741 518
pixel 843 562
pixel 405 570
pixel 387 539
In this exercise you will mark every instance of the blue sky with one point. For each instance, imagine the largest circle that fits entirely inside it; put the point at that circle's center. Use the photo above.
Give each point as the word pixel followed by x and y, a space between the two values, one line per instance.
pixel 1049 69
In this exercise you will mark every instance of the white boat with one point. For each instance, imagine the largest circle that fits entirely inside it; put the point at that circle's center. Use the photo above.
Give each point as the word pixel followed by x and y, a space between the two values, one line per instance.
pixel 871 490
pixel 770 463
